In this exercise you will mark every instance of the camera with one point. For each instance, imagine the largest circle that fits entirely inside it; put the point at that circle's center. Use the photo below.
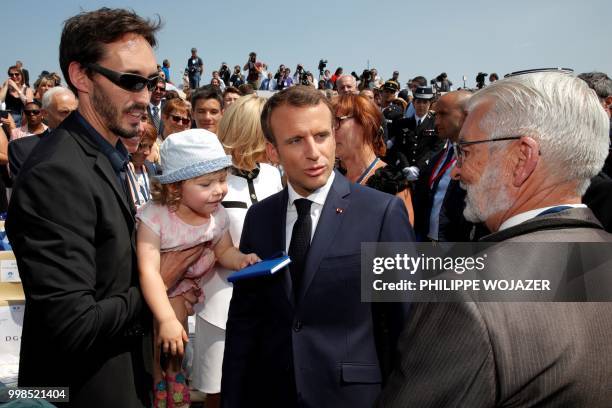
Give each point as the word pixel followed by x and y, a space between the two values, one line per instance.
pixel 480 80
pixel 304 78
pixel 322 65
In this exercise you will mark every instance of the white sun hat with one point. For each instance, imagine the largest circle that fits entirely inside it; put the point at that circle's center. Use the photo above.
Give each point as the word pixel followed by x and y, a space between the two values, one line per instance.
pixel 189 154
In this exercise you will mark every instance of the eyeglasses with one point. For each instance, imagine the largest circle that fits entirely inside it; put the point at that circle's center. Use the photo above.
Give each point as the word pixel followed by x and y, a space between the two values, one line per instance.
pixel 127 81
pixel 461 154
pixel 14 74
pixel 338 120
pixel 32 112
pixel 179 119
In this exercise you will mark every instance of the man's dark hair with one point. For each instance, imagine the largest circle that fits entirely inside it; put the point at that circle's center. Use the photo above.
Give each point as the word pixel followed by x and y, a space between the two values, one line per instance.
pixel 246 89
pixel 232 89
pixel 420 80
pixel 207 92
pixel 85 35
pixel 599 82
pixel 297 96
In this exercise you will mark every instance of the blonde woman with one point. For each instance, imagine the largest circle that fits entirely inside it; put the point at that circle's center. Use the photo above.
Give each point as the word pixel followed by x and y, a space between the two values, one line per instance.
pixel 250 180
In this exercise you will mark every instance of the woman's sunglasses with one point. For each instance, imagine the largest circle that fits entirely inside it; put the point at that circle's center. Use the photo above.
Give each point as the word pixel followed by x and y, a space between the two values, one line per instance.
pixel 129 82
pixel 179 119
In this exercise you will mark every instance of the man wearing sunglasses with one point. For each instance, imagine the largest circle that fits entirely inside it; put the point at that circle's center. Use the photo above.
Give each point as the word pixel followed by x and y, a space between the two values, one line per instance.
pixel 526 152
pixel 72 223
pixel 156 105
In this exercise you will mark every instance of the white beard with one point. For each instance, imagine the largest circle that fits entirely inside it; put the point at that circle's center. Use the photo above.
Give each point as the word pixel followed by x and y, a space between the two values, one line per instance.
pixel 487 197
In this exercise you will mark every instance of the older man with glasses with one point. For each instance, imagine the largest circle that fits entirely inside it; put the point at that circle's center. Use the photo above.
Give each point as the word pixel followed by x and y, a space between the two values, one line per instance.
pixel 526 153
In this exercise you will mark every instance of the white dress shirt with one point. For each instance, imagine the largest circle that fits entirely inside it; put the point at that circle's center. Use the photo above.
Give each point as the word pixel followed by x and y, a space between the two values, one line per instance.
pixel 318 198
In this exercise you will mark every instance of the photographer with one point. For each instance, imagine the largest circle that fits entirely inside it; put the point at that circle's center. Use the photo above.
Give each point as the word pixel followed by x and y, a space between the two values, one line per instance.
pixel 298 76
pixel 195 69
pixel 444 84
pixel 254 69
pixel 224 73
pixel 364 80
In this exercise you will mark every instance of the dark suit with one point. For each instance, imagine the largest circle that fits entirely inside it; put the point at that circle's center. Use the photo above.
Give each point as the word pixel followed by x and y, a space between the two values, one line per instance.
pixel 20 149
pixel 318 350
pixel 160 129
pixel 418 144
pixel 598 198
pixel 494 354
pixel 72 231
pixel 453 227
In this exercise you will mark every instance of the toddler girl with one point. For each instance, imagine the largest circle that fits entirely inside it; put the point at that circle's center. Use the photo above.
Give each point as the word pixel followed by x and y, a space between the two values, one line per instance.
pixel 185 211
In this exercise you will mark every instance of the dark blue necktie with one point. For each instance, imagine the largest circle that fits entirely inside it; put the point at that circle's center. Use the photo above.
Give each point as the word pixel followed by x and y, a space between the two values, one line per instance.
pixel 300 242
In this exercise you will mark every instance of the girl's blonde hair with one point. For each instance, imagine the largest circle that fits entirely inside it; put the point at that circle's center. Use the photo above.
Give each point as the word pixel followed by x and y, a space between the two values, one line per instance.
pixel 241 134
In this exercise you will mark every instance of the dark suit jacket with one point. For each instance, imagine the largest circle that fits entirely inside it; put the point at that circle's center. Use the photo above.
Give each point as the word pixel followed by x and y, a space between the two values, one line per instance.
pixel 418 144
pixel 20 149
pixel 72 231
pixel 598 198
pixel 160 131
pixel 495 354
pixel 453 226
pixel 320 349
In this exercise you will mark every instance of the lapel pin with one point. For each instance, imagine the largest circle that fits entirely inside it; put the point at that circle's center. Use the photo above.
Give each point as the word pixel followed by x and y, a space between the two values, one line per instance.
pixel 339 210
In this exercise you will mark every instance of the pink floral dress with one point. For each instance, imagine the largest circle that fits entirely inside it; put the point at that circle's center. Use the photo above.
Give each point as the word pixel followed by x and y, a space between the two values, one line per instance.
pixel 176 235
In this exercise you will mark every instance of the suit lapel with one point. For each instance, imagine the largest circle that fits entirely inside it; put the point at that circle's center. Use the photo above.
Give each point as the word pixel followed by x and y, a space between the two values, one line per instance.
pixel 101 164
pixel 327 227
pixel 281 241
pixel 105 169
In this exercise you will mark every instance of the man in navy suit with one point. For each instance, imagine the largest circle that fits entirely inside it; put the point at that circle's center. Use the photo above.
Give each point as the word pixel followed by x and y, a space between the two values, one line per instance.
pixel 437 199
pixel 302 337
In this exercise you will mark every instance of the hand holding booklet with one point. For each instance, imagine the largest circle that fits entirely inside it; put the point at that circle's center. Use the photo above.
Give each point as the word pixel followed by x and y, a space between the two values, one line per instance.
pixel 263 268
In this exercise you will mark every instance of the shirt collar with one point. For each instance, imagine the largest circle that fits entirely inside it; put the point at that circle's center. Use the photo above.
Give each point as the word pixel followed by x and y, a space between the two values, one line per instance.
pixel 117 155
pixel 527 215
pixel 318 196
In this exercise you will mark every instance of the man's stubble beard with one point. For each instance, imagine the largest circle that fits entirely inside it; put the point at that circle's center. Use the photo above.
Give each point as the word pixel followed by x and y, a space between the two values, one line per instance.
pixel 110 114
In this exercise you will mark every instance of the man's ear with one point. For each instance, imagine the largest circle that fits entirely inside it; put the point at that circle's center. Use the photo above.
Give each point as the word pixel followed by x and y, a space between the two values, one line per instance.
pixel 529 155
pixel 272 153
pixel 78 77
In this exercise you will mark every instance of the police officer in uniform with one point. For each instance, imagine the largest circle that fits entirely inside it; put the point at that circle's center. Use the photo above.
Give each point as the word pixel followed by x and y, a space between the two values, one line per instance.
pixel 414 141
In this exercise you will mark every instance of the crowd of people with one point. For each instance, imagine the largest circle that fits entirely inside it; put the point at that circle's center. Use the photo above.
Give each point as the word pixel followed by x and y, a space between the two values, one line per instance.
pixel 133 199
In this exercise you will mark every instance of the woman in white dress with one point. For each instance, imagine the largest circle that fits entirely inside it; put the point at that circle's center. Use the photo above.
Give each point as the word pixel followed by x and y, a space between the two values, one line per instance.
pixel 249 181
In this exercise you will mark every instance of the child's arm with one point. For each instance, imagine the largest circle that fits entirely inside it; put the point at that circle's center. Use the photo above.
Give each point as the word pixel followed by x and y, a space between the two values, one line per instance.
pixel 230 257
pixel 171 331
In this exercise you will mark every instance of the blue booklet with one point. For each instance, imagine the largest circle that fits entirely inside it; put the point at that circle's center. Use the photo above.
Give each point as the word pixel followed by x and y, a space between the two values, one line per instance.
pixel 263 268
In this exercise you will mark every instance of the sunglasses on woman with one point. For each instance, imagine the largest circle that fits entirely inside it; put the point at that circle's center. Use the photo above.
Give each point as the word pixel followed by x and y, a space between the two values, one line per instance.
pixel 32 112
pixel 124 80
pixel 179 119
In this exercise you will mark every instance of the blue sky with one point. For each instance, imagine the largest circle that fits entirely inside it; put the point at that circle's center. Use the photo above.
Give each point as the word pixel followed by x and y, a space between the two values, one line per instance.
pixel 416 38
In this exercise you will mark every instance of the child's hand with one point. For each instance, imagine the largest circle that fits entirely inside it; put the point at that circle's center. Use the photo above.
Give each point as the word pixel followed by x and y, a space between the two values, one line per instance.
pixel 248 259
pixel 172 336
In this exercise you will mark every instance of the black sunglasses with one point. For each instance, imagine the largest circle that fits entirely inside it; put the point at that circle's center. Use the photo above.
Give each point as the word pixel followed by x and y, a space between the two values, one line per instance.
pixel 32 112
pixel 127 81
pixel 14 74
pixel 179 119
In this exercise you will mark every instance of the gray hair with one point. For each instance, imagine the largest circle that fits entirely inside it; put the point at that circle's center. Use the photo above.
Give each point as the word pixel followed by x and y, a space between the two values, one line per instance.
pixel 47 99
pixel 599 82
pixel 557 110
